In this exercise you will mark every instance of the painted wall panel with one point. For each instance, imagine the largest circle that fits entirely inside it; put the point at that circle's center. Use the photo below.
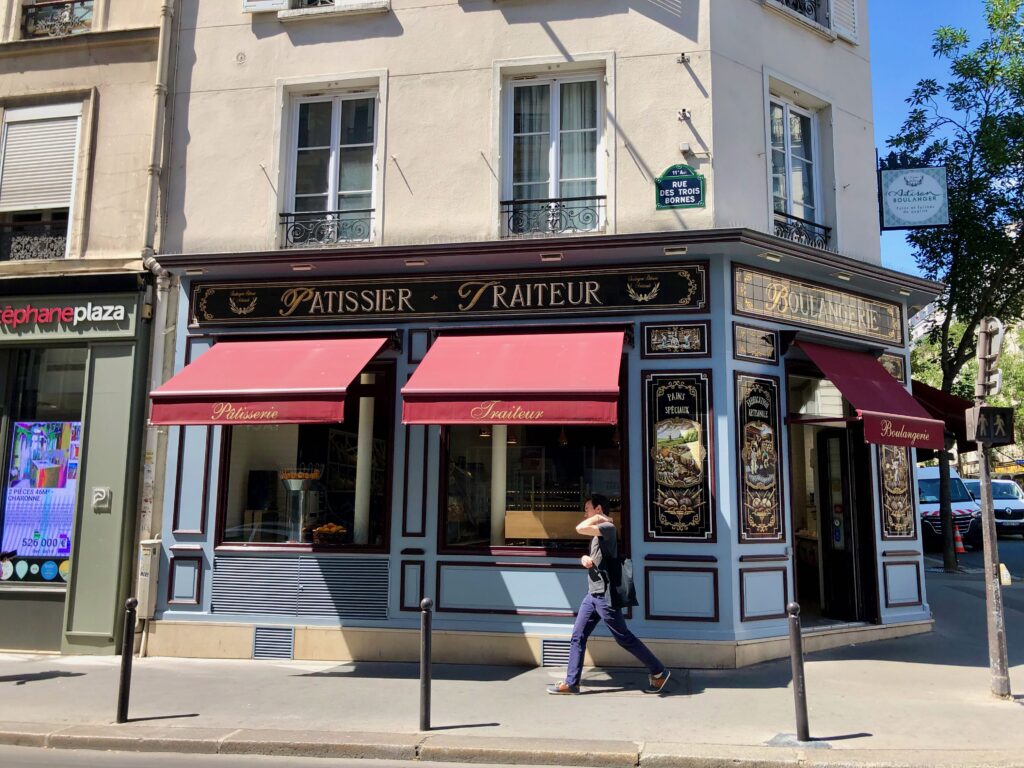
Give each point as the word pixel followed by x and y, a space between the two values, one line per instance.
pixel 685 594
pixel 504 590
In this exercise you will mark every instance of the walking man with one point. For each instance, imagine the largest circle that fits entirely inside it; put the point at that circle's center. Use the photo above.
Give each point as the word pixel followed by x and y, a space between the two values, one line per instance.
pixel 602 572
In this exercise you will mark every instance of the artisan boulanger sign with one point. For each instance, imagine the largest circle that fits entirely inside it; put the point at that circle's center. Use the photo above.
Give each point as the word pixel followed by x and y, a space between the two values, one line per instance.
pixel 678 456
pixel 764 294
pixel 680 187
pixel 679 288
pixel 914 198
pixel 759 468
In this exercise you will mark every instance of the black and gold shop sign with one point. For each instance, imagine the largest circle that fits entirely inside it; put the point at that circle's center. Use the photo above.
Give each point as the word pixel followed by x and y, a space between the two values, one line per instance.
pixel 897 492
pixel 679 288
pixel 896 365
pixel 760 464
pixel 767 295
pixel 678 456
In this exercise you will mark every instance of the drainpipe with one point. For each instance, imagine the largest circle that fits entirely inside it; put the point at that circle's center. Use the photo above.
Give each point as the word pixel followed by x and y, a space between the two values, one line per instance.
pixel 165 309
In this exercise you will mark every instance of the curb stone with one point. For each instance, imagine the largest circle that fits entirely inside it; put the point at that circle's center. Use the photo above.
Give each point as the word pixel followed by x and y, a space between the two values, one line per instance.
pixel 473 749
pixel 519 751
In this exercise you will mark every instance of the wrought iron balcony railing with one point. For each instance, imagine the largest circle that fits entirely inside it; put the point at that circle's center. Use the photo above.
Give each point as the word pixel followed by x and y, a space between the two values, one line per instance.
pixel 313 3
pixel 28 242
pixel 553 216
pixel 802 231
pixel 56 18
pixel 306 230
pixel 808 8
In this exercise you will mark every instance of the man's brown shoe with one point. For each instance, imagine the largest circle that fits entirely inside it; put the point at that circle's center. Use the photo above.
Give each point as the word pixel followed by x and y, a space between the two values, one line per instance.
pixel 656 683
pixel 563 689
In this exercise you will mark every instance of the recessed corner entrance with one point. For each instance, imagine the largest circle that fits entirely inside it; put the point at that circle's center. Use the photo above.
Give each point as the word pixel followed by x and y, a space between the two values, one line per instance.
pixel 832 506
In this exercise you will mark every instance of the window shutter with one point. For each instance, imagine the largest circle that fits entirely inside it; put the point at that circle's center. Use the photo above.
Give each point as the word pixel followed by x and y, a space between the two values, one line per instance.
pixel 38 169
pixel 258 6
pixel 844 19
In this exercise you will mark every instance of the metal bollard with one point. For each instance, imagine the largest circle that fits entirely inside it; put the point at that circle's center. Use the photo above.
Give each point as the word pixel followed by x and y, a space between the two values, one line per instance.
pixel 796 651
pixel 426 620
pixel 127 651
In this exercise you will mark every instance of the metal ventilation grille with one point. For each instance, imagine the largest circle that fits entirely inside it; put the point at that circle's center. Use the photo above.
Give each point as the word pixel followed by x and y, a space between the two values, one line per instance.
pixel 303 586
pixel 351 588
pixel 554 653
pixel 262 585
pixel 273 643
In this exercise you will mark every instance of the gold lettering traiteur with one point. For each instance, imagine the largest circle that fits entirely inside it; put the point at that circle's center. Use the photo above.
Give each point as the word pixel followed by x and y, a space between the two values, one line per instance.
pixel 495 411
pixel 228 411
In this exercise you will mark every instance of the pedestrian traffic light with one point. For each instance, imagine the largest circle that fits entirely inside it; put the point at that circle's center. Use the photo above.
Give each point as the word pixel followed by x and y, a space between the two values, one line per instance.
pixel 990 343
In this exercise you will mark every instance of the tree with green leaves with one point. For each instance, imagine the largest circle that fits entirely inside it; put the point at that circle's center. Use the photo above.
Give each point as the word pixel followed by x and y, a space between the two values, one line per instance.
pixel 973 124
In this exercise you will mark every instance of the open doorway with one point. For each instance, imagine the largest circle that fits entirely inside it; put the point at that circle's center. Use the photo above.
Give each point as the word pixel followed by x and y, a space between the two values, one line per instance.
pixel 832 506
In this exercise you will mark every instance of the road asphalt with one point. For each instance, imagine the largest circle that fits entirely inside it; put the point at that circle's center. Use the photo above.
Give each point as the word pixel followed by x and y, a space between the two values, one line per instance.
pixel 915 701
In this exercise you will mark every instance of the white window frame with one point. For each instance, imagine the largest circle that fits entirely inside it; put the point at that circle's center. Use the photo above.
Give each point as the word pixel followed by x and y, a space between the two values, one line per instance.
pixel 816 158
pixel 508 124
pixel 292 150
pixel 48 112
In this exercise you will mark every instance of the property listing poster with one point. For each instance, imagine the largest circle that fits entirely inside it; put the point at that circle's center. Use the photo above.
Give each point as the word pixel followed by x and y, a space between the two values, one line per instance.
pixel 42 482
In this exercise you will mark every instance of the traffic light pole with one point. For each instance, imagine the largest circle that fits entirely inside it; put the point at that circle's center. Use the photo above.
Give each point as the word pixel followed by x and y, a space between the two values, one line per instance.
pixel 997 659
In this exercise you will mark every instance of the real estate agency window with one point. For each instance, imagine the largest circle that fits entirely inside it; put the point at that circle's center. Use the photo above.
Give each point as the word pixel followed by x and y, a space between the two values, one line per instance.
pixel 326 486
pixel 43 454
pixel 332 169
pixel 554 181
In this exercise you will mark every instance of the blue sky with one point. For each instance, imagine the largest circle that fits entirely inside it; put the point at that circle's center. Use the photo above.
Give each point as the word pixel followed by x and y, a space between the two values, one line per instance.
pixel 901 38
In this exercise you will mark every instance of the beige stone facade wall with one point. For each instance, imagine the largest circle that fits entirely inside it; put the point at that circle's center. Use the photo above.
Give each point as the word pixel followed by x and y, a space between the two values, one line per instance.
pixel 111 71
pixel 440 68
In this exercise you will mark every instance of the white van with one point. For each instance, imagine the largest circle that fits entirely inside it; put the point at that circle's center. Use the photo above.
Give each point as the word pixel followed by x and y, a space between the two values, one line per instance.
pixel 1007 503
pixel 966 511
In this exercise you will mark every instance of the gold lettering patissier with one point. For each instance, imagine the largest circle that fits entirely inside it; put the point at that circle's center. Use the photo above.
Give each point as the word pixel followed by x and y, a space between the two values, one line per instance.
pixel 497 411
pixel 230 412
pixel 345 302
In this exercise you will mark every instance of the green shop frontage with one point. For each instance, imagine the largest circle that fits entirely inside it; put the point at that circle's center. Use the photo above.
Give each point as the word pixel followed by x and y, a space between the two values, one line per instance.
pixel 73 362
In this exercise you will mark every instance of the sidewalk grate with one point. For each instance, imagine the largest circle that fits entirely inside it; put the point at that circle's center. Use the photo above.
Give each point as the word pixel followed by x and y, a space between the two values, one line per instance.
pixel 273 643
pixel 554 653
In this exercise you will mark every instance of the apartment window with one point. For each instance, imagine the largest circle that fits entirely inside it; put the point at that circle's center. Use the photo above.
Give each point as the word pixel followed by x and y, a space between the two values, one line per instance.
pixel 332 170
pixel 794 168
pixel 56 18
pixel 37 179
pixel 554 182
pixel 838 15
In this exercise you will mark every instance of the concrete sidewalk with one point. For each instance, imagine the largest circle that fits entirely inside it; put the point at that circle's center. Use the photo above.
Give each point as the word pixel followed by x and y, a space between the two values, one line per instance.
pixel 914 701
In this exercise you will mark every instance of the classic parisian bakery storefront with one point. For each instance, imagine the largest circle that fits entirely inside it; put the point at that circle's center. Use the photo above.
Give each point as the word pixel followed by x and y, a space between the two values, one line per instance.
pixel 351 430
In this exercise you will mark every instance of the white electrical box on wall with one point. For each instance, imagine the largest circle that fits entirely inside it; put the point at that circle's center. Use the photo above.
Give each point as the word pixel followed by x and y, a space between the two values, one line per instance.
pixel 147 577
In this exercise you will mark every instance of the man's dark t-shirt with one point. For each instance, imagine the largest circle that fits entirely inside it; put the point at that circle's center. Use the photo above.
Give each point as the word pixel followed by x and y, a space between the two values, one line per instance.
pixel 603 549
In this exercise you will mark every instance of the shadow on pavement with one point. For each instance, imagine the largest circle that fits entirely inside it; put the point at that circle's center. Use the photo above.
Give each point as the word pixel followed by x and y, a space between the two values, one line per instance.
pixel 411 671
pixel 463 725
pixel 38 676
pixel 161 717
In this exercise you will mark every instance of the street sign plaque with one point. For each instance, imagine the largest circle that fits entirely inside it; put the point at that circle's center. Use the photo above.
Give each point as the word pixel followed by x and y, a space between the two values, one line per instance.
pixel 990 425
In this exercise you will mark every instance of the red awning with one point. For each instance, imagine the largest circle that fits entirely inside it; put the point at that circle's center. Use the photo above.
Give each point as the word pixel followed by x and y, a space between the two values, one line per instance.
pixel 543 378
pixel 891 415
pixel 265 382
pixel 948 408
